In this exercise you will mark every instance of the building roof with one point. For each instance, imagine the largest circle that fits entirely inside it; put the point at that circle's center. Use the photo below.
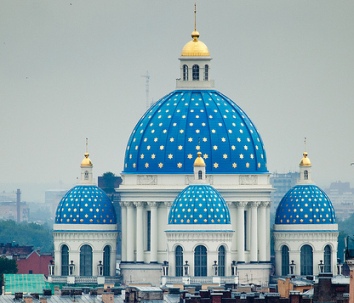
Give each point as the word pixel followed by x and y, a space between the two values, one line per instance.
pixel 183 122
pixel 199 204
pixel 85 204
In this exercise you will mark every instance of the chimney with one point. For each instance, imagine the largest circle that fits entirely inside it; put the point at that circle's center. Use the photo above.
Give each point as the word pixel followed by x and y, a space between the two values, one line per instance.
pixel 18 204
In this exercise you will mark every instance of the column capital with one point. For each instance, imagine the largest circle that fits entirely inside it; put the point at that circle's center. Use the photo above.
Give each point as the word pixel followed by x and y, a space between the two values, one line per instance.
pixel 265 203
pixel 139 204
pixel 126 204
pixel 152 204
pixel 241 204
pixel 255 204
pixel 168 203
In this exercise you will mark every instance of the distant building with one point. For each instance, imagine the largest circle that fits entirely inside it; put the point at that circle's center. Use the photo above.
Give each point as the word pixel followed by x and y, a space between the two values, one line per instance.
pixel 34 263
pixel 11 207
pixel 52 199
pixel 342 197
pixel 281 182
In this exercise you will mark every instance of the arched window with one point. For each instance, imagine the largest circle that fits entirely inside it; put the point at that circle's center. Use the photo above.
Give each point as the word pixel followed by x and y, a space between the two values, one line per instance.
pixel 221 261
pixel 195 72
pixel 200 261
pixel 64 260
pixel 306 260
pixel 206 72
pixel 200 175
pixel 179 261
pixel 327 259
pixel 86 260
pixel 86 175
pixel 107 261
pixel 185 72
pixel 306 175
pixel 285 260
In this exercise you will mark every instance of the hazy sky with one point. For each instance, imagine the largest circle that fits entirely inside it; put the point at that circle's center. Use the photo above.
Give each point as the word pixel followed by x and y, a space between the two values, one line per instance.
pixel 73 69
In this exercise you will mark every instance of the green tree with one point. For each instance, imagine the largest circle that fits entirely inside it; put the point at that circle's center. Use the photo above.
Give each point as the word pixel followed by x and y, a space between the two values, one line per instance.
pixel 7 266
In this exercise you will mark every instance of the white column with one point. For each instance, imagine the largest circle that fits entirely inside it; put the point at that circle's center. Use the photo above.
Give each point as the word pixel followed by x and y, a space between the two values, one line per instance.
pixel 268 231
pixel 123 207
pixel 262 233
pixel 130 232
pixel 139 232
pixel 153 253
pixel 254 231
pixel 241 231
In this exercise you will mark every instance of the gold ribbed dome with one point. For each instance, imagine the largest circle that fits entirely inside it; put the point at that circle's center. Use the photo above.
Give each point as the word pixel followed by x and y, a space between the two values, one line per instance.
pixel 195 48
pixel 199 161
pixel 305 161
pixel 86 162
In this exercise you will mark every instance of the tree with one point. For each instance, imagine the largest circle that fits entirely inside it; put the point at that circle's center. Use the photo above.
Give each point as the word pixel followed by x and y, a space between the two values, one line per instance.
pixel 7 266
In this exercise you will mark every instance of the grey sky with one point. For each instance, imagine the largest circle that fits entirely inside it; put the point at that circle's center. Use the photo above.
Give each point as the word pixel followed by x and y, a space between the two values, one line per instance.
pixel 73 69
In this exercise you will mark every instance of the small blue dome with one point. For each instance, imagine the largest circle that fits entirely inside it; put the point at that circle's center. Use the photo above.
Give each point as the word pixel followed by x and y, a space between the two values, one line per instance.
pixel 199 204
pixel 305 204
pixel 85 204
pixel 167 137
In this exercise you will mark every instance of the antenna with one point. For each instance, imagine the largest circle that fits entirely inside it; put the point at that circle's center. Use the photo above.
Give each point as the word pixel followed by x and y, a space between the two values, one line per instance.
pixel 305 141
pixel 195 16
pixel 86 145
pixel 147 86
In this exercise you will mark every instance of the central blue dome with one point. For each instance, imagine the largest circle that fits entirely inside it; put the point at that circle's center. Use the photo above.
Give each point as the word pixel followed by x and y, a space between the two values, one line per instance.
pixel 167 137
pixel 305 204
pixel 85 204
pixel 199 204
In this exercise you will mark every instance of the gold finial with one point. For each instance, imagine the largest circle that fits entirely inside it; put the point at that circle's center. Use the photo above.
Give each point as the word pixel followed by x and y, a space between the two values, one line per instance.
pixel 86 161
pixel 199 161
pixel 305 161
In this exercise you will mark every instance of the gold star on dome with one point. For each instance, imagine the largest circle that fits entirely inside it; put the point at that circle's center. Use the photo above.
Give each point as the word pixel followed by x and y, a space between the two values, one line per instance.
pixel 247 165
pixel 142 156
pixel 224 156
pixel 156 139
pixel 160 165
pixel 172 139
pixel 153 156
pixel 233 147
pixel 190 139
pixel 197 131
pixel 164 131
pixel 180 147
pixel 251 156
pixel 146 165
pixel 205 156
pixel 181 131
pixel 134 165
pixel 179 165
pixel 215 147
pixel 216 165
pixel 203 124
pixel 223 139
pixel 197 147
pixel 205 139
pixel 148 147
pixel 234 165
pixel 259 165
pixel 213 131
pixel 190 156
pixel 241 156
pixel 245 147
pixel 130 156
pixel 162 147
pixel 170 156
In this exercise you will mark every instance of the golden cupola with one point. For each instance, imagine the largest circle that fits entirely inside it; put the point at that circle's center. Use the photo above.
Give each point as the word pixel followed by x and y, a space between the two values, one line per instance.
pixel 86 162
pixel 199 161
pixel 195 47
pixel 305 161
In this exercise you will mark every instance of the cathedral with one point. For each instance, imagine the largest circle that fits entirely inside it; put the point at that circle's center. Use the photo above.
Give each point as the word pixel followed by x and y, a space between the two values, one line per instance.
pixel 195 199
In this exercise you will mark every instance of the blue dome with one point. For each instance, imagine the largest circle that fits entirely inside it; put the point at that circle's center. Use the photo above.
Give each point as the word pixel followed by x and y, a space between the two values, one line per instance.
pixel 168 136
pixel 85 204
pixel 199 204
pixel 305 204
